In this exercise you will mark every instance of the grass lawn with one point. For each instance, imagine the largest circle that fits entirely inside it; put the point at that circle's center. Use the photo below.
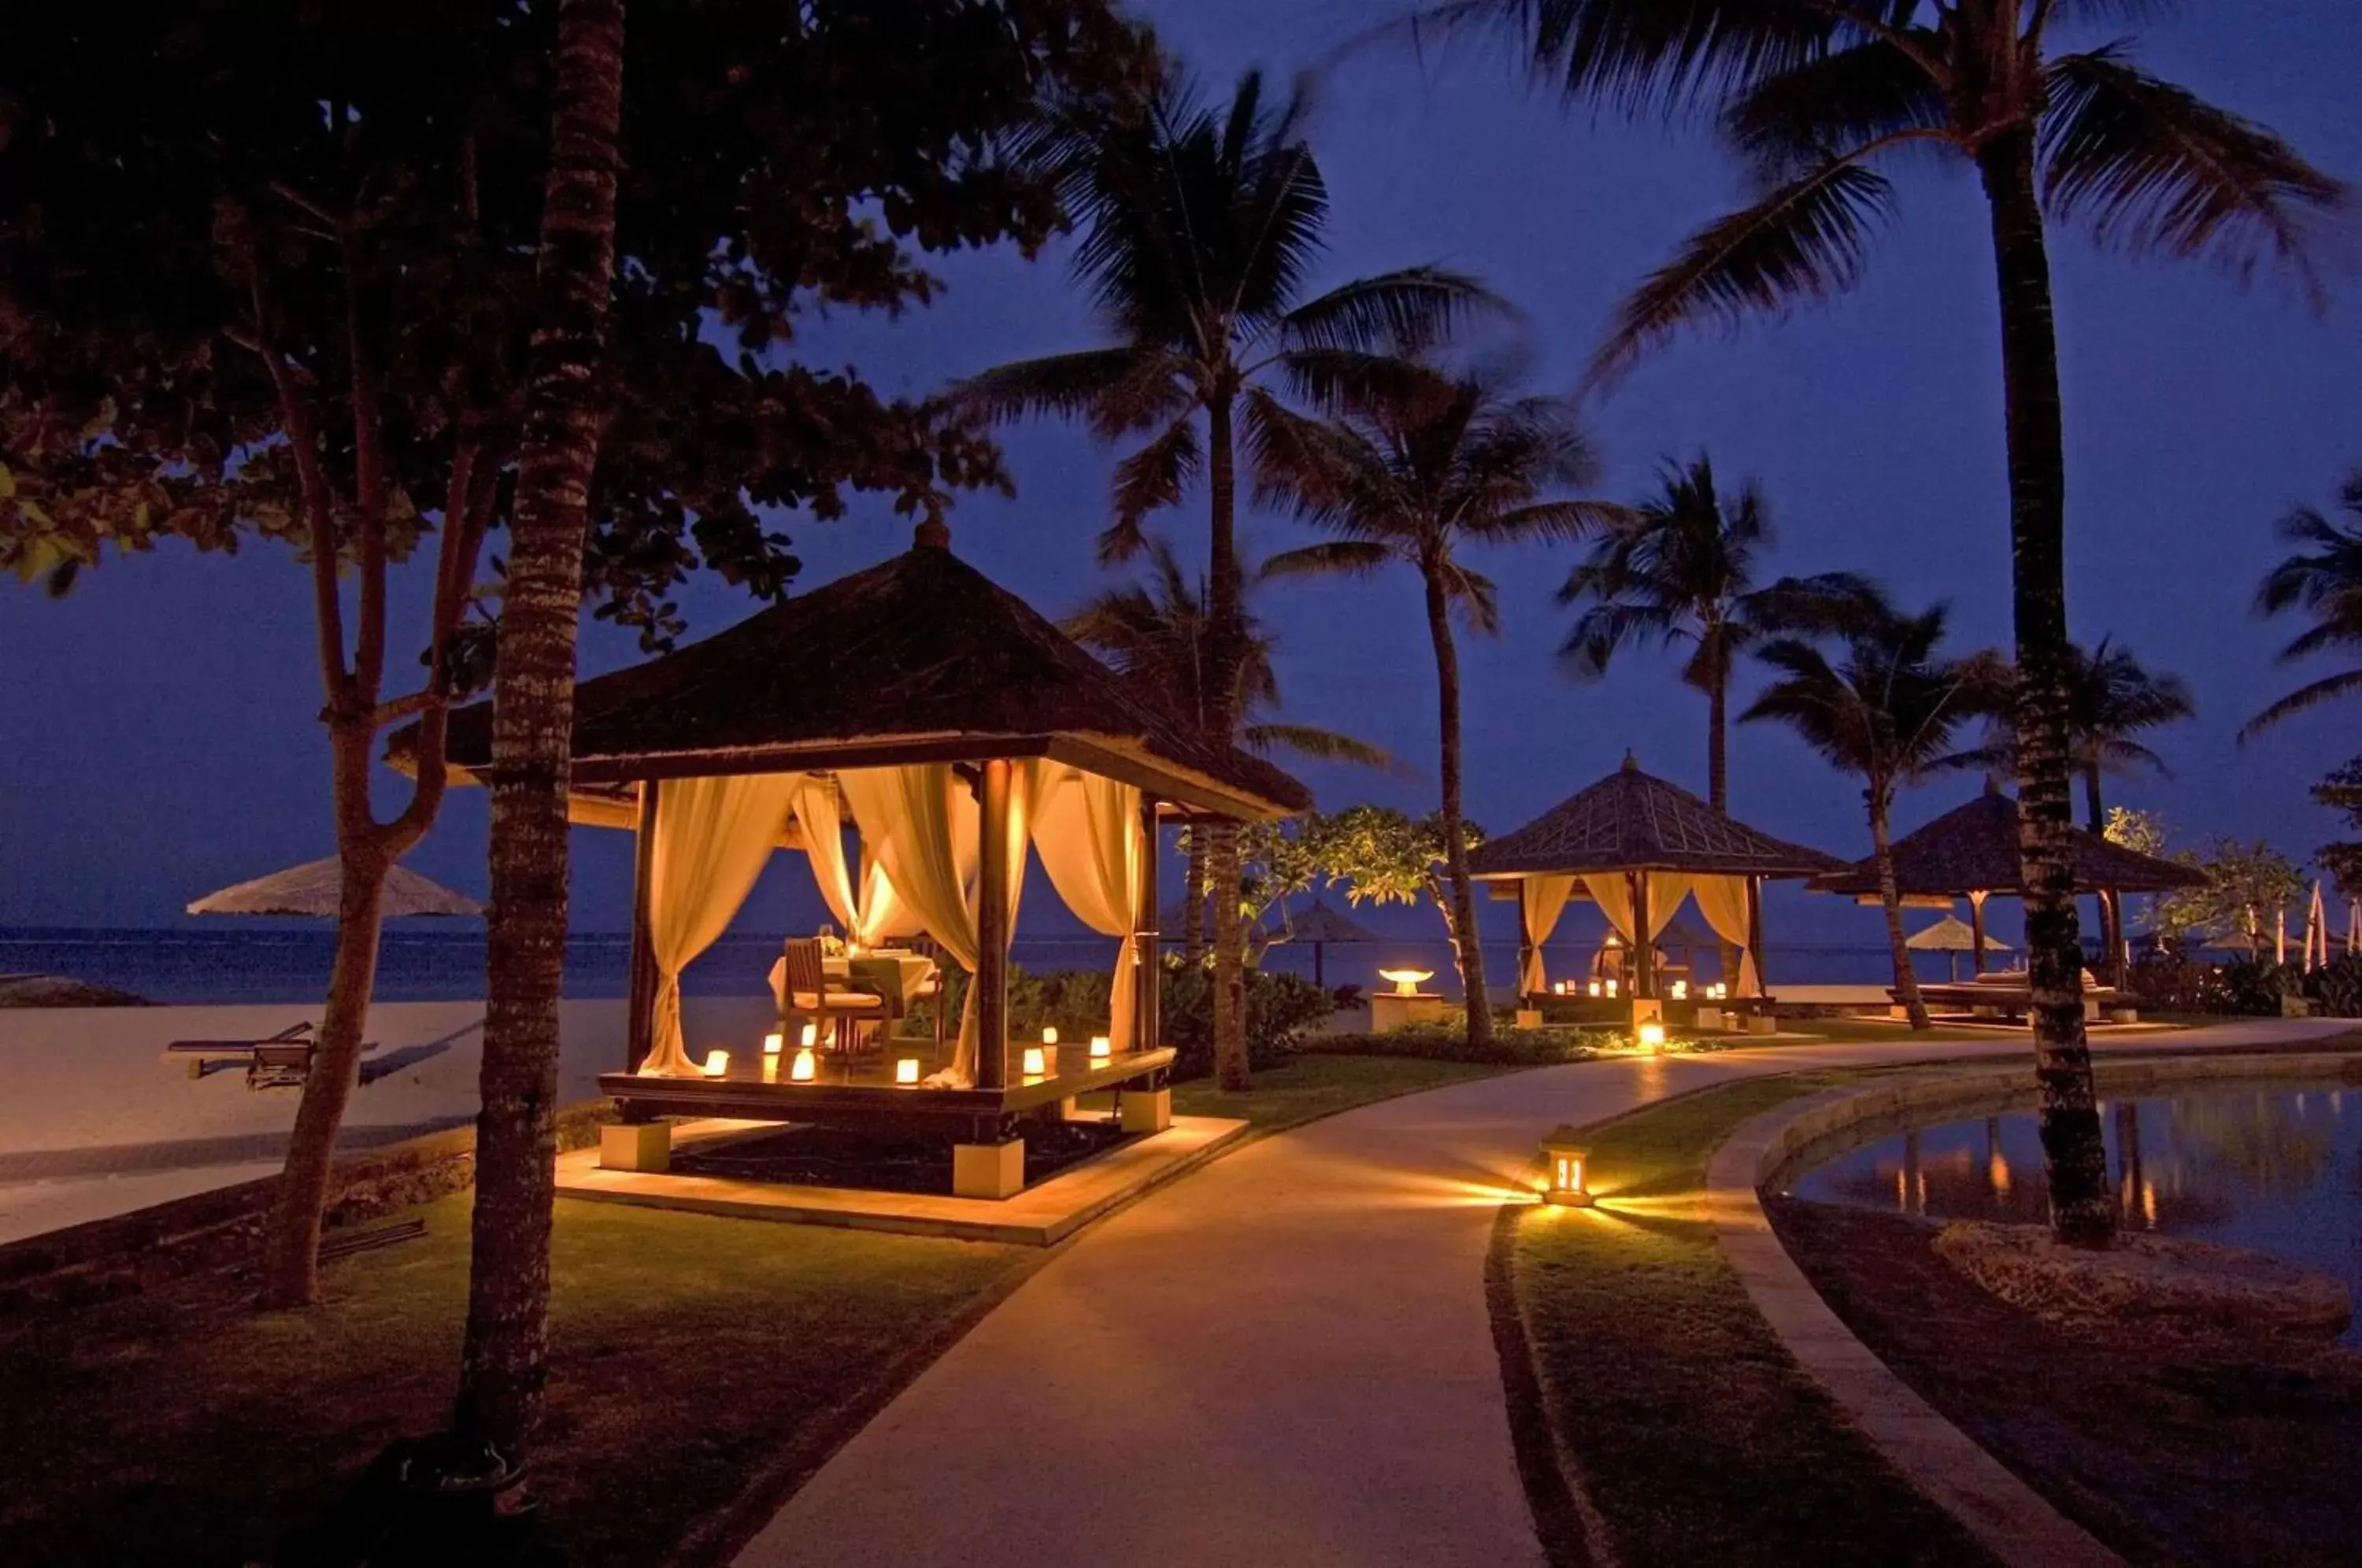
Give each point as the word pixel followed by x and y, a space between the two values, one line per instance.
pixel 1877 1032
pixel 1694 1435
pixel 691 1357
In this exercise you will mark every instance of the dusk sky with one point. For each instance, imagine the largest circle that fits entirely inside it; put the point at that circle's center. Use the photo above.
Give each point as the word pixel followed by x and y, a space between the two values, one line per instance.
pixel 161 723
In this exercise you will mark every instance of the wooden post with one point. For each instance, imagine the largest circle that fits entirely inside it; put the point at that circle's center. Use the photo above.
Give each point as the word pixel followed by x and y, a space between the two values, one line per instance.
pixel 1644 949
pixel 640 993
pixel 992 926
pixel 1148 997
pixel 1977 927
pixel 1755 934
pixel 2113 925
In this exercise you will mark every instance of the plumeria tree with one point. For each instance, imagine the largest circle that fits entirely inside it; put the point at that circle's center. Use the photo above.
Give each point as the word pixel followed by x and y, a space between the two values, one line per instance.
pixel 1821 100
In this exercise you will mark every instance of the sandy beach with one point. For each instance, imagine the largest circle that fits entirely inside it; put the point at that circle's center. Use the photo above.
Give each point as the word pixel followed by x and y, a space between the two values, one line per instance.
pixel 96 1121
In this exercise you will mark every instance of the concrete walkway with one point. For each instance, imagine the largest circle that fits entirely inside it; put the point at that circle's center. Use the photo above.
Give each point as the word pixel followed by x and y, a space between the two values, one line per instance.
pixel 1285 1359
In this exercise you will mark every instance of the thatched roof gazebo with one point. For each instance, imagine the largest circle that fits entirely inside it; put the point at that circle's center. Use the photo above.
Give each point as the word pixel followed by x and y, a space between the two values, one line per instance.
pixel 1971 852
pixel 950 726
pixel 1638 845
pixel 1317 928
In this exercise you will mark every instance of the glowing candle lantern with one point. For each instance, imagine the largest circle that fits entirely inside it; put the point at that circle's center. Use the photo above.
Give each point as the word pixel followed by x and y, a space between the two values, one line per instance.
pixel 716 1064
pixel 1103 1048
pixel 1653 1036
pixel 1049 1037
pixel 772 1043
pixel 1036 1061
pixel 905 1071
pixel 1611 988
pixel 1681 990
pixel 805 1067
pixel 810 1036
pixel 770 1069
pixel 1566 1183
pixel 1594 987
pixel 1406 981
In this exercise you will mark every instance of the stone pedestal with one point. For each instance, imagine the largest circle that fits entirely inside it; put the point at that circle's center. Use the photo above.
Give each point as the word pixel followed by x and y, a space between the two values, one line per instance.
pixel 988 1170
pixel 1763 1023
pixel 635 1146
pixel 1646 1009
pixel 1529 1018
pixel 1147 1110
pixel 1390 1010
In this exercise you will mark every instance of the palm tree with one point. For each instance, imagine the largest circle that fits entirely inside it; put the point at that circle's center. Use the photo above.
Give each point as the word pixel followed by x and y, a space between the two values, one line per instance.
pixel 1409 472
pixel 1155 634
pixel 2111 699
pixel 2324 580
pixel 1198 227
pixel 1813 93
pixel 505 1354
pixel 1886 711
pixel 1679 569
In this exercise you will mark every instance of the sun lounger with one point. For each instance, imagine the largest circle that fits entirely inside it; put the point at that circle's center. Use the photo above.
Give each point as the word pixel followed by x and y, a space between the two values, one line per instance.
pixel 275 1061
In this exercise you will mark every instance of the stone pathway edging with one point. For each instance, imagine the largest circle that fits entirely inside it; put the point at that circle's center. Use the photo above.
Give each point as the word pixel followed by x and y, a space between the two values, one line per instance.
pixel 2010 1518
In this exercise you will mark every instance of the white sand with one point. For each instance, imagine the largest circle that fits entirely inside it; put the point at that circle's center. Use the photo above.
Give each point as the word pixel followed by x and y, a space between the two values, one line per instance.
pixel 94 1120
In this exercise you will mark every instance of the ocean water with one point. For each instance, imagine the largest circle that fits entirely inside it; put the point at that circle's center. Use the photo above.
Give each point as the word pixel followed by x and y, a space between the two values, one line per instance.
pixel 272 963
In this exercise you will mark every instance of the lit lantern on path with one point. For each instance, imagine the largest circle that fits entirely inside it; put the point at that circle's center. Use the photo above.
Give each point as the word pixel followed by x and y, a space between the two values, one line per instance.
pixel 1653 1036
pixel 1567 1181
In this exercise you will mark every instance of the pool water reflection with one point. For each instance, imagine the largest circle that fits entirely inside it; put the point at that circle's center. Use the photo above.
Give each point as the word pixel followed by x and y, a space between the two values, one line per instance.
pixel 2276 1168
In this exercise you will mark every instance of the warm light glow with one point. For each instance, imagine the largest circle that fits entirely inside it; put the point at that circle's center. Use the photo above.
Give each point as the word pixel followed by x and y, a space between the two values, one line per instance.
pixel 716 1064
pixel 810 1037
pixel 1566 1183
pixel 772 1041
pixel 1653 1036
pixel 1406 981
pixel 1611 988
pixel 1594 987
pixel 905 1071
pixel 770 1069
pixel 1034 1061
pixel 1049 1037
pixel 1681 990
pixel 1717 991
pixel 804 1068
pixel 1103 1048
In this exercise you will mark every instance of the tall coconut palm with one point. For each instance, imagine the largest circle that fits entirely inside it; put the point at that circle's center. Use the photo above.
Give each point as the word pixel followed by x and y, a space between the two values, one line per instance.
pixel 1156 633
pixel 1886 711
pixel 2323 580
pixel 1411 471
pixel 1679 569
pixel 1816 95
pixel 1198 228
pixel 2111 699
pixel 504 1353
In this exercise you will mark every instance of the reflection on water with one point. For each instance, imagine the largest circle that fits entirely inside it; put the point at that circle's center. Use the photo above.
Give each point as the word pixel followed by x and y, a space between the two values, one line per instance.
pixel 2276 1169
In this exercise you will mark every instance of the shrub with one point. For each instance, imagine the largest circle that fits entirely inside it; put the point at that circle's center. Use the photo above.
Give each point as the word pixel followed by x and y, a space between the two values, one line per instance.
pixel 1510 1048
pixel 1282 1010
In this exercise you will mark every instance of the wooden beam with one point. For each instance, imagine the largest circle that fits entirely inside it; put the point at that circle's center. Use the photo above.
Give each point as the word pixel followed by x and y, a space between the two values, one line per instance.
pixel 1976 929
pixel 721 762
pixel 1148 1000
pixel 992 925
pixel 640 995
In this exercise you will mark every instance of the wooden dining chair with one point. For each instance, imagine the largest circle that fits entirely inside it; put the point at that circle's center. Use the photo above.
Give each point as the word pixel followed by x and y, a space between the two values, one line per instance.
pixel 937 987
pixel 804 992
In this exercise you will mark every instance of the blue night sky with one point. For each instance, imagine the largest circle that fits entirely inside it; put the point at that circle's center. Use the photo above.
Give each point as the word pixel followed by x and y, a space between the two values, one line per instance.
pixel 160 723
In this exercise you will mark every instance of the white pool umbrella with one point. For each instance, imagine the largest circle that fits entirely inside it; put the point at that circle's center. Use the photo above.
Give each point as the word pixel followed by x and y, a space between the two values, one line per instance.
pixel 312 889
pixel 2316 931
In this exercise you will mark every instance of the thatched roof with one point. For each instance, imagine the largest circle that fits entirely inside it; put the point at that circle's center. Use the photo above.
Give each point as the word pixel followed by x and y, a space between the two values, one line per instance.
pixel 919 658
pixel 313 890
pixel 1632 821
pixel 1974 849
pixel 1953 935
pixel 1321 923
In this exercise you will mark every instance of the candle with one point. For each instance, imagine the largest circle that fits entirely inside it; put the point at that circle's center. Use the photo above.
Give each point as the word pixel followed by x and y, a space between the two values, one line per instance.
pixel 1681 990
pixel 1101 1048
pixel 772 1041
pixel 1611 988
pixel 716 1064
pixel 770 1069
pixel 810 1037
pixel 1033 1061
pixel 804 1068
pixel 1049 1037
pixel 905 1071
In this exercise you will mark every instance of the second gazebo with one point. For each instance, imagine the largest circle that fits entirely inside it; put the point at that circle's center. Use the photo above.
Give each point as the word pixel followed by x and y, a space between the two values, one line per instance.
pixel 1637 846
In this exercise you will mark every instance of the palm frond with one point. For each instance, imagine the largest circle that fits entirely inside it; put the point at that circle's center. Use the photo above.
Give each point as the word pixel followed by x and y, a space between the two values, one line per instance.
pixel 1566 522
pixel 2151 167
pixel 1403 312
pixel 1604 629
pixel 1152 479
pixel 1475 596
pixel 1087 385
pixel 1869 93
pixel 1321 746
pixel 1803 242
pixel 2304 699
pixel 1335 558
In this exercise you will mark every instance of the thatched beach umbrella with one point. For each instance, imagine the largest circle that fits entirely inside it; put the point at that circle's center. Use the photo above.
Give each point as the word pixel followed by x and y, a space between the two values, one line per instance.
pixel 313 890
pixel 1952 936
pixel 1321 925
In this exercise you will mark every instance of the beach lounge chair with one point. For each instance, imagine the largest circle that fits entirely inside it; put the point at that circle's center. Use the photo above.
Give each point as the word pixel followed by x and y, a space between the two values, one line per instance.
pixel 276 1061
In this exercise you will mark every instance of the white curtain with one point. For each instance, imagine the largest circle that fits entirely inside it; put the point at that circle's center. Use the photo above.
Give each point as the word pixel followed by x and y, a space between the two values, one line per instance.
pixel 1614 895
pixel 1541 899
pixel 922 821
pixel 1723 901
pixel 869 913
pixel 713 839
pixel 1088 830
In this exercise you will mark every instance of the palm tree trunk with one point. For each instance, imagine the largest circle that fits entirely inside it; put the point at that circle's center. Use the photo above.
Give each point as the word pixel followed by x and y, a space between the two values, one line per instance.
pixel 291 1268
pixel 1906 979
pixel 1468 937
pixel 1193 915
pixel 1717 785
pixel 505 1358
pixel 2080 1210
pixel 2112 936
pixel 1225 654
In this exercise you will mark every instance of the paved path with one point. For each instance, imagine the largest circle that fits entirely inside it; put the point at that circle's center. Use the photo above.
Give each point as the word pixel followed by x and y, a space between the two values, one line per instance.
pixel 1283 1361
